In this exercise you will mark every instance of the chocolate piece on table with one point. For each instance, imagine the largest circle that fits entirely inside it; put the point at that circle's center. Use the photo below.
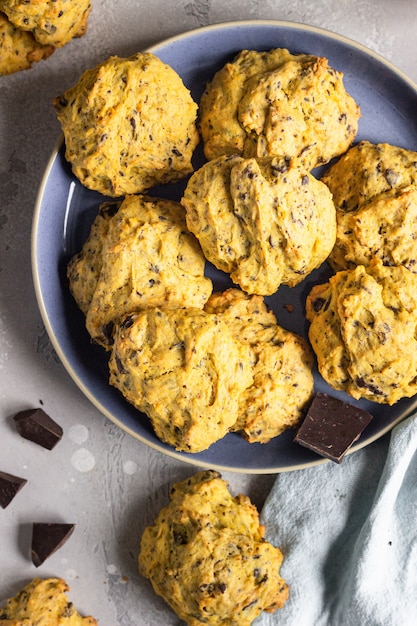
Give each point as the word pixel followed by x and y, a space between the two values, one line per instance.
pixel 331 426
pixel 47 539
pixel 9 486
pixel 37 426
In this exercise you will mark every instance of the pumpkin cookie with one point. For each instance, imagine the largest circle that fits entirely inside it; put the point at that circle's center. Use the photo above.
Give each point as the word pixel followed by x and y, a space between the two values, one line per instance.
pixel 265 222
pixel 183 368
pixel 368 170
pixel 383 228
pixel 43 603
pixel 19 50
pixel 281 365
pixel 84 268
pixel 141 257
pixel 374 188
pixel 207 557
pixel 129 124
pixel 280 104
pixel 52 22
pixel 363 329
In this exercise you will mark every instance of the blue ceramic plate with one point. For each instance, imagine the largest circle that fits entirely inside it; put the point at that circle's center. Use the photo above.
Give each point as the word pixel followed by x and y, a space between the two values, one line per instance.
pixel 65 210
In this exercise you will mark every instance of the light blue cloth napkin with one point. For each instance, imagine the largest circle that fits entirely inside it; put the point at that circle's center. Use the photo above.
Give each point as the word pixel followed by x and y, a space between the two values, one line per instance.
pixel 349 537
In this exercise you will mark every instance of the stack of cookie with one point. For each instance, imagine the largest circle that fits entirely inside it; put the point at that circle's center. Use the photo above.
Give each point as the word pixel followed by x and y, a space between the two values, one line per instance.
pixel 267 119
pixel 30 30
pixel 364 320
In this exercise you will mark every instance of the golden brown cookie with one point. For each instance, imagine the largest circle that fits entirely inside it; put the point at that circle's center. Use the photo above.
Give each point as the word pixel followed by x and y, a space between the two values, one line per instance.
pixel 129 124
pixel 281 365
pixel 141 257
pixel 375 194
pixel 52 22
pixel 207 557
pixel 368 170
pixel 183 368
pixel 363 329
pixel 278 103
pixel 383 228
pixel 84 268
pixel 19 50
pixel 43 603
pixel 265 222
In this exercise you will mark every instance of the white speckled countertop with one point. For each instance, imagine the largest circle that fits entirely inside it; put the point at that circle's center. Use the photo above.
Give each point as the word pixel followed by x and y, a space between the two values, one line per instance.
pixel 98 477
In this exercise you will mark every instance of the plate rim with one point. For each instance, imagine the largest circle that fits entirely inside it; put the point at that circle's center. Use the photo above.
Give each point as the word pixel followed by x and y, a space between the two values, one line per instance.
pixel 178 455
pixel 294 25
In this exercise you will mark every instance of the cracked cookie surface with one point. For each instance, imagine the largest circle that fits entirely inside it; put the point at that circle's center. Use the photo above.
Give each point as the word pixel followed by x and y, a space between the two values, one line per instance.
pixel 183 369
pixel 363 329
pixel 266 222
pixel 374 187
pixel 129 124
pixel 19 50
pixel 51 23
pixel 207 557
pixel 43 603
pixel 276 103
pixel 138 256
pixel 281 363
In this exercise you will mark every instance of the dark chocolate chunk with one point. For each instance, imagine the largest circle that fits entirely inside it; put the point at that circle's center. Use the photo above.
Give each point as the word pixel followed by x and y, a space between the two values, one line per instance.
pixel 37 426
pixel 331 426
pixel 9 486
pixel 47 539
